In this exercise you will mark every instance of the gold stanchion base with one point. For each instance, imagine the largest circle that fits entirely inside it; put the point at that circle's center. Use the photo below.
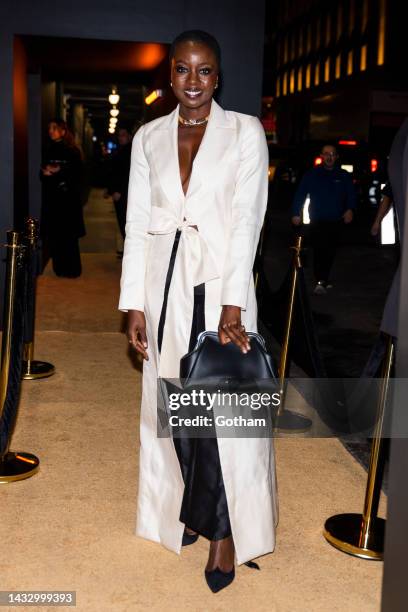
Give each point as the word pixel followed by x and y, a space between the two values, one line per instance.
pixel 37 369
pixel 291 422
pixel 344 532
pixel 17 466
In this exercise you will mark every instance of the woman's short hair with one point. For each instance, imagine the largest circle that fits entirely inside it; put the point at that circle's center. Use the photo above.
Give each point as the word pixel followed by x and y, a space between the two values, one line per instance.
pixel 197 36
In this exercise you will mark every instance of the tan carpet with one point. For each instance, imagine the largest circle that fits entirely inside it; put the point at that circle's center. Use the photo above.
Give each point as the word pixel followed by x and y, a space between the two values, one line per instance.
pixel 71 527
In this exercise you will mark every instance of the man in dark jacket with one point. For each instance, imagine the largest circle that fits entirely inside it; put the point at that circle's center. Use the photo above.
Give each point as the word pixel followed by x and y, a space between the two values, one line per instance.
pixel 119 176
pixel 332 201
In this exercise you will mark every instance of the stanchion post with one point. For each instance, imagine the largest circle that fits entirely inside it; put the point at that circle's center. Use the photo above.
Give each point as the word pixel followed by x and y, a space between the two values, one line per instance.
pixel 362 535
pixel 13 251
pixel 32 369
pixel 20 465
pixel 286 420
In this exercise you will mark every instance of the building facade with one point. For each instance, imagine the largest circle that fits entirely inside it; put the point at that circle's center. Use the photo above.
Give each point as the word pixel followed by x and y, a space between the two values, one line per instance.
pixel 338 70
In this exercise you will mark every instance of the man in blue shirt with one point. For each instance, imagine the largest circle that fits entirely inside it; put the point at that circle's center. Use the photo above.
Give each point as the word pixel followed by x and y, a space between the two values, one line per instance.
pixel 332 201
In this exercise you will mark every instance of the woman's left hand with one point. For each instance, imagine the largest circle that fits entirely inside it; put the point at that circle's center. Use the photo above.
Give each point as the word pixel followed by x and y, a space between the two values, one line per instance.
pixel 230 328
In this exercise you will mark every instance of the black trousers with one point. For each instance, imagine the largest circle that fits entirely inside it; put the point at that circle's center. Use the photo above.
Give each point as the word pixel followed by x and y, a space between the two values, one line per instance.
pixel 324 238
pixel 120 209
pixel 204 507
pixel 66 257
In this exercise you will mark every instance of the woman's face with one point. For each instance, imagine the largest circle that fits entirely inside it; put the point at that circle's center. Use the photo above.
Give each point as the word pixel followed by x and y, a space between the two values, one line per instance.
pixel 55 132
pixel 194 74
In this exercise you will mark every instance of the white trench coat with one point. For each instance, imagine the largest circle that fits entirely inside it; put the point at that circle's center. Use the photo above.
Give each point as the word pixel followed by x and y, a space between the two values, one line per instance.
pixel 226 200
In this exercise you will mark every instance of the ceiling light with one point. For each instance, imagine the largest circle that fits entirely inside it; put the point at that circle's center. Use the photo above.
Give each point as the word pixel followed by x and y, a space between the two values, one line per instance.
pixel 114 97
pixel 114 111
pixel 113 120
pixel 111 130
pixel 153 96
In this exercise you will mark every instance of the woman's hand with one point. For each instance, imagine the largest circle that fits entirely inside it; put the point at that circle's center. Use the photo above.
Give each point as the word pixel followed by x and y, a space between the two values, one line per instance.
pixel 230 328
pixel 136 332
pixel 348 216
pixel 375 228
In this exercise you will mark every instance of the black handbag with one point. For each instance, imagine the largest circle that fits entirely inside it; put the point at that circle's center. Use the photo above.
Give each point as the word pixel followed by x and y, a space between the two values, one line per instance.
pixel 225 365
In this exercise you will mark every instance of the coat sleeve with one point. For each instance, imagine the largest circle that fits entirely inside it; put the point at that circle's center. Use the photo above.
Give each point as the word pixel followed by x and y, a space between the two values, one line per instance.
pixel 248 211
pixel 137 222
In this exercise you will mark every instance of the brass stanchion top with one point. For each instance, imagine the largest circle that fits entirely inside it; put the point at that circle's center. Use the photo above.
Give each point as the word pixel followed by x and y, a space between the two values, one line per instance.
pixel 31 229
pixel 13 239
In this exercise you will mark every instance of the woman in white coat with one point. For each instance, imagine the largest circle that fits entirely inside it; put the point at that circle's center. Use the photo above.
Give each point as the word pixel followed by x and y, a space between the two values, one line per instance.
pixel 196 202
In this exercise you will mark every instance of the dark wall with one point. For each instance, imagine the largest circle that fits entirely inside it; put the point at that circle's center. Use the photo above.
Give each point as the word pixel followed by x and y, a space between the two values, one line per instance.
pixel 20 122
pixel 238 24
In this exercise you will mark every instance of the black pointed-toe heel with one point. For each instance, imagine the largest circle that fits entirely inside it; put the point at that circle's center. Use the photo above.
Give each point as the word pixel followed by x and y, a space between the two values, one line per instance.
pixel 189 538
pixel 217 580
pixel 252 565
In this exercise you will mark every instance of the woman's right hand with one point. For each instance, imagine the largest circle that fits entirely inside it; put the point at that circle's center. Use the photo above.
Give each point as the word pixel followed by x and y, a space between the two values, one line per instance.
pixel 136 332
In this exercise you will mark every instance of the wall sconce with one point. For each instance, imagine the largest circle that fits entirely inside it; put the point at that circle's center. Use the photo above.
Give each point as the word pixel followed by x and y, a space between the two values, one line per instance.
pixel 153 96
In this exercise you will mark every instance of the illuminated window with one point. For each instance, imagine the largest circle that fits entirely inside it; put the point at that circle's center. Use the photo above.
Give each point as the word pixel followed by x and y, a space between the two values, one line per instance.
pixel 309 38
pixel 352 14
pixel 300 42
pixel 308 72
pixel 364 15
pixel 381 35
pixel 292 81
pixel 349 63
pixel 317 74
pixel 338 66
pixel 328 29
pixel 285 50
pixel 363 58
pixel 300 79
pixel 278 87
pixel 285 84
pixel 339 21
pixel 327 70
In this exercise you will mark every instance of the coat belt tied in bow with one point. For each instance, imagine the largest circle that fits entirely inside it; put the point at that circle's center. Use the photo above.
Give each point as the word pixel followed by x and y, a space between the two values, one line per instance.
pixel 193 265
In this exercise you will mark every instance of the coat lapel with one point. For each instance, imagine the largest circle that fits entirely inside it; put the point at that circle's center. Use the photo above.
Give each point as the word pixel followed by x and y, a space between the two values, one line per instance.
pixel 165 157
pixel 217 139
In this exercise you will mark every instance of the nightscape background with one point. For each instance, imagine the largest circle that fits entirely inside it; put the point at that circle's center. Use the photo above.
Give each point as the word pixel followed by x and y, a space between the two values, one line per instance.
pixel 315 72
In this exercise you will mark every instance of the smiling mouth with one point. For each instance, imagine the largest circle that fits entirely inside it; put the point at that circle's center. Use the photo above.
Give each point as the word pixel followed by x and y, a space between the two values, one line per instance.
pixel 192 93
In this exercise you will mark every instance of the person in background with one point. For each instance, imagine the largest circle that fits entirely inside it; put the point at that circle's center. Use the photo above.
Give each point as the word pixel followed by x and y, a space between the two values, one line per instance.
pixel 119 176
pixel 384 207
pixel 332 202
pixel 62 222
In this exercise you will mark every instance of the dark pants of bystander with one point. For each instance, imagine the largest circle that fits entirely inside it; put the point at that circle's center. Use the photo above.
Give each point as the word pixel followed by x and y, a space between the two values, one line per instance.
pixel 324 238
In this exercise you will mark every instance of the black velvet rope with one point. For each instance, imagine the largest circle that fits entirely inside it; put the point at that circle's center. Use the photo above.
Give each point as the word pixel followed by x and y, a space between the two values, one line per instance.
pixel 10 408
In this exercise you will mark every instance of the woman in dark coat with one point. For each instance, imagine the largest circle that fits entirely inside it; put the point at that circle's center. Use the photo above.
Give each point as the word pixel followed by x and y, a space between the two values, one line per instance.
pixel 62 221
